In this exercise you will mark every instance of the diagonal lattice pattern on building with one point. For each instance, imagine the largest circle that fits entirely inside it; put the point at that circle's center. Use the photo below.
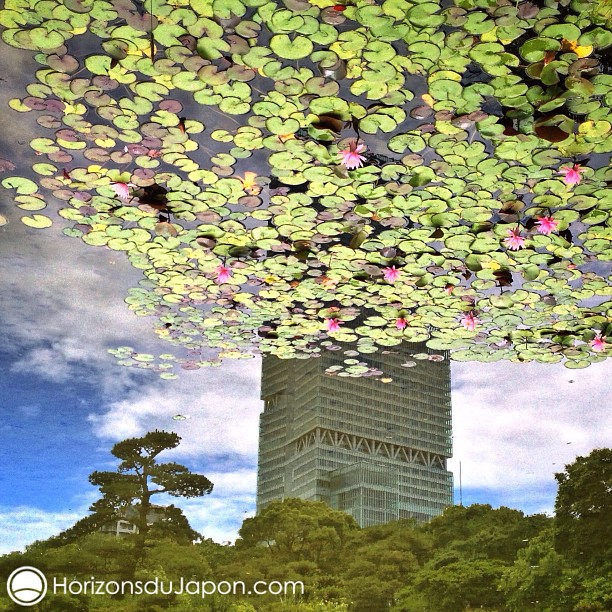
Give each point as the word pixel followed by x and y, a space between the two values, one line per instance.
pixel 375 450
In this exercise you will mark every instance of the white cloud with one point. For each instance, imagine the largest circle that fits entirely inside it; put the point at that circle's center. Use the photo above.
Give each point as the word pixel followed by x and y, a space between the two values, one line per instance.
pixel 220 514
pixel 218 519
pixel 240 483
pixel 55 363
pixel 23 525
pixel 515 425
pixel 222 405
pixel 63 306
pixel 61 312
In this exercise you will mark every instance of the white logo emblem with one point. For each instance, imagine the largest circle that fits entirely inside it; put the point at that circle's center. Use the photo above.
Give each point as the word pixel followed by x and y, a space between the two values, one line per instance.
pixel 26 586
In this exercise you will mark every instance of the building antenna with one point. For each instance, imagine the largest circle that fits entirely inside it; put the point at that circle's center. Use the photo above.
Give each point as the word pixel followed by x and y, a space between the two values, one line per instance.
pixel 460 487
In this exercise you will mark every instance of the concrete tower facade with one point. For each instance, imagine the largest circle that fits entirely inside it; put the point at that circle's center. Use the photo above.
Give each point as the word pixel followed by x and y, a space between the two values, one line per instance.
pixel 375 450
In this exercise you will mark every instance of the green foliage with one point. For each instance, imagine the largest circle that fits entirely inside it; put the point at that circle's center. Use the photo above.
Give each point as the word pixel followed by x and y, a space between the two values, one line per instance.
pixel 472 547
pixel 298 530
pixel 382 557
pixel 583 508
pixel 558 583
pixel 459 585
pixel 127 493
pixel 511 95
pixel 538 574
pixel 469 558
pixel 479 532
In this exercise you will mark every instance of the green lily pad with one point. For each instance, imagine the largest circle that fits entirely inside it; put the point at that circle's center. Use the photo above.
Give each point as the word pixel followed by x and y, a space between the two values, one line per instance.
pixel 535 49
pixel 598 37
pixel 212 48
pixel 568 31
pixel 426 15
pixel 291 49
pixel 37 221
pixel 22 186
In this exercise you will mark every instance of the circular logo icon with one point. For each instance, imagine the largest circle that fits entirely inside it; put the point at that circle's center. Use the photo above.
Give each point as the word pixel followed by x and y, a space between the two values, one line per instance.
pixel 26 586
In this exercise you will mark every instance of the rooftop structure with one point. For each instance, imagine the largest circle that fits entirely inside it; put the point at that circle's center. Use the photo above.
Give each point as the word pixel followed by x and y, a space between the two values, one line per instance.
pixel 124 527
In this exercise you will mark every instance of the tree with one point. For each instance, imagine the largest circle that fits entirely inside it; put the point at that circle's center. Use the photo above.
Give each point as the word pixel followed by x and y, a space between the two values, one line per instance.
pixel 450 586
pixel 540 574
pixel 583 508
pixel 378 561
pixel 537 575
pixel 298 530
pixel 294 539
pixel 472 548
pixel 138 478
pixel 174 526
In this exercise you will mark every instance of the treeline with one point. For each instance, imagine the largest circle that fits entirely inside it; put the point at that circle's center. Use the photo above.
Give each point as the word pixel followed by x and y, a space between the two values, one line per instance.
pixel 469 558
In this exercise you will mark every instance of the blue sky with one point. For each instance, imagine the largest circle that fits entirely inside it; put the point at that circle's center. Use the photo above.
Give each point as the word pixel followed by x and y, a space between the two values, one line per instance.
pixel 64 402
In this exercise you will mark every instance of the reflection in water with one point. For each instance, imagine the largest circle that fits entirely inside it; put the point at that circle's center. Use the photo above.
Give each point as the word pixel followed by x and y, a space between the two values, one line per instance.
pixel 320 188
pixel 477 221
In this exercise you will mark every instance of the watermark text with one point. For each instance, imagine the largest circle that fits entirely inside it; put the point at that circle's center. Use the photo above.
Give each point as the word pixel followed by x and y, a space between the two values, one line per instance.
pixel 155 586
pixel 27 586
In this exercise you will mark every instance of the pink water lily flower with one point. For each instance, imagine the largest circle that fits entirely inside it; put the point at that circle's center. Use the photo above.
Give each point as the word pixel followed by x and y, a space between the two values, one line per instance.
pixel 401 323
pixel 223 273
pixel 332 325
pixel 391 274
pixel 469 321
pixel 350 157
pixel 571 176
pixel 598 343
pixel 514 241
pixel 122 189
pixel 546 225
pixel 448 289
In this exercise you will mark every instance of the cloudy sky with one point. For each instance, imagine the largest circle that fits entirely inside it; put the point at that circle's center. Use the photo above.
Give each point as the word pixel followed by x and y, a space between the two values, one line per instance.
pixel 64 402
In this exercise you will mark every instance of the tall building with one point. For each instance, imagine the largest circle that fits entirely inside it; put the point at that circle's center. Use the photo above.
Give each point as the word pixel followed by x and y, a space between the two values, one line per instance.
pixel 376 450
